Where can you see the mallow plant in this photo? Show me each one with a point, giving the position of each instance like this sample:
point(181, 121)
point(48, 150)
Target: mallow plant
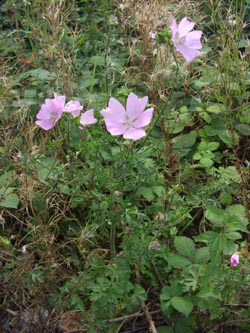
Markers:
point(52, 109)
point(187, 271)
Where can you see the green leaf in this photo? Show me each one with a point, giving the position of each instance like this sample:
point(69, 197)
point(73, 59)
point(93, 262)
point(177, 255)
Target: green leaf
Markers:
point(159, 190)
point(40, 74)
point(225, 199)
point(244, 129)
point(184, 246)
point(200, 83)
point(215, 215)
point(227, 138)
point(202, 255)
point(216, 108)
point(237, 210)
point(88, 82)
point(165, 293)
point(46, 168)
point(178, 261)
point(213, 145)
point(208, 293)
point(147, 193)
point(97, 60)
point(206, 162)
point(6, 178)
point(30, 93)
point(174, 289)
point(205, 116)
point(184, 324)
point(233, 235)
point(165, 329)
point(229, 174)
point(206, 237)
point(10, 201)
point(182, 304)
point(184, 140)
point(217, 245)
point(236, 220)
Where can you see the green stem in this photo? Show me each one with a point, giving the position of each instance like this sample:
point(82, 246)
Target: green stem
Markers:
point(106, 64)
point(166, 102)
point(92, 79)
point(156, 120)
point(112, 239)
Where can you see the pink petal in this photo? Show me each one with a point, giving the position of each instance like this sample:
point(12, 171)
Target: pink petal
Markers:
point(49, 103)
point(115, 109)
point(185, 26)
point(188, 54)
point(145, 118)
point(44, 113)
point(59, 100)
point(135, 105)
point(46, 124)
point(73, 107)
point(114, 128)
point(88, 118)
point(193, 39)
point(174, 29)
point(234, 260)
point(134, 134)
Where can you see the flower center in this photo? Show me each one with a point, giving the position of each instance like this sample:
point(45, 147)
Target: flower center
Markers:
point(53, 115)
point(129, 123)
point(180, 40)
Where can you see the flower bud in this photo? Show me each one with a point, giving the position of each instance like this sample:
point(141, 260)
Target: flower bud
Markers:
point(234, 260)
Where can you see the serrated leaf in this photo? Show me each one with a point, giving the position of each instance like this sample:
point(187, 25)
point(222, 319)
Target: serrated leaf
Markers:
point(233, 235)
point(178, 261)
point(229, 174)
point(227, 138)
point(174, 289)
point(202, 255)
point(206, 237)
point(184, 246)
point(166, 307)
point(97, 60)
point(225, 199)
point(147, 193)
point(215, 215)
point(206, 162)
point(208, 293)
point(236, 220)
point(165, 293)
point(182, 304)
point(185, 140)
point(216, 108)
point(217, 246)
point(237, 210)
point(206, 116)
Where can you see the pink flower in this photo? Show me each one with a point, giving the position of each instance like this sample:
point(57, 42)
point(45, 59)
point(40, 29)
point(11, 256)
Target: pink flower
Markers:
point(129, 122)
point(152, 35)
point(234, 260)
point(187, 42)
point(87, 118)
point(50, 112)
point(117, 193)
point(73, 107)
